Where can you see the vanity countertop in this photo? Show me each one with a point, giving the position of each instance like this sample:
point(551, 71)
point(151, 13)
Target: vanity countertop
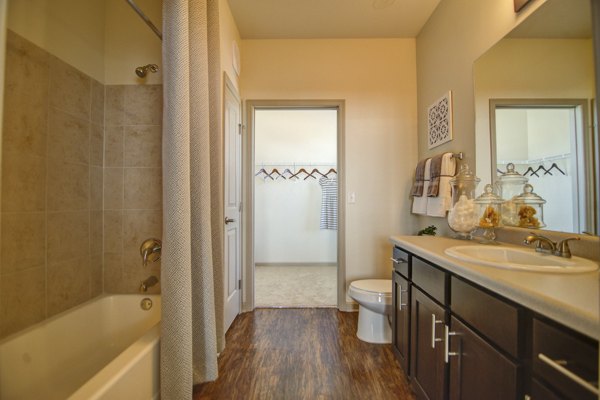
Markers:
point(571, 299)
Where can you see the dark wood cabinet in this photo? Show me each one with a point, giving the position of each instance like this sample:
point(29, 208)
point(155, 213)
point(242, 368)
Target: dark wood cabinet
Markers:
point(428, 369)
point(478, 370)
point(401, 320)
point(566, 361)
point(458, 340)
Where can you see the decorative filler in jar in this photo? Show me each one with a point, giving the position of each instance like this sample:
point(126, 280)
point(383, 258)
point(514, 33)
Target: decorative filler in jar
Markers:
point(510, 185)
point(463, 216)
point(530, 208)
point(489, 205)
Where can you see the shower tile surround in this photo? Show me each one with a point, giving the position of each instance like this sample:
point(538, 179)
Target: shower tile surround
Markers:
point(81, 186)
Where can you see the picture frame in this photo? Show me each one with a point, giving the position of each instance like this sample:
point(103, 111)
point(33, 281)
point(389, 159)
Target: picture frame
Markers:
point(439, 121)
point(519, 4)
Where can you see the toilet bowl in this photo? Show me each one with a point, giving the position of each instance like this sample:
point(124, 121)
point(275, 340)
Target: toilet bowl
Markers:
point(374, 298)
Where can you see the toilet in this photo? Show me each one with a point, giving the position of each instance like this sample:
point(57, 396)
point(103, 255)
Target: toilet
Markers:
point(374, 298)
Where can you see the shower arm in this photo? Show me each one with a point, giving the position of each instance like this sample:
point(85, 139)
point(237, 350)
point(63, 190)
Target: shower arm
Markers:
point(145, 18)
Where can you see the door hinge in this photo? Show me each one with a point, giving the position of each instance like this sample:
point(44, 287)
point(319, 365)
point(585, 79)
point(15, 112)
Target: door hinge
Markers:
point(240, 208)
point(240, 284)
point(240, 129)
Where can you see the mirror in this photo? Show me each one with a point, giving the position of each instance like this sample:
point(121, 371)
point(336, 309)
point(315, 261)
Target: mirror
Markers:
point(534, 96)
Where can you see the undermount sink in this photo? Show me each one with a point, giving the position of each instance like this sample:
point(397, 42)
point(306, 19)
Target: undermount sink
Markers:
point(520, 259)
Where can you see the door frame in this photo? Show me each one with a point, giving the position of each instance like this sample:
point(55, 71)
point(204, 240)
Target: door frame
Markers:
point(584, 147)
point(248, 192)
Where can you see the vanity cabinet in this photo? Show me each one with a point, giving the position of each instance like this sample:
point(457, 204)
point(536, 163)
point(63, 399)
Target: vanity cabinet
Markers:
point(428, 369)
point(459, 340)
point(565, 364)
point(401, 293)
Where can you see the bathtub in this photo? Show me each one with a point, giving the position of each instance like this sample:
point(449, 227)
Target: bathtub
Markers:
point(107, 348)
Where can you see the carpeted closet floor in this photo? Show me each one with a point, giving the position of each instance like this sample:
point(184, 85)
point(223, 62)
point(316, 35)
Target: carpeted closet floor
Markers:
point(295, 286)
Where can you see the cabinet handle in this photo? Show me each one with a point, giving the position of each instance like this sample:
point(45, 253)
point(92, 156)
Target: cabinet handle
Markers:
point(433, 323)
point(558, 365)
point(400, 304)
point(398, 260)
point(447, 352)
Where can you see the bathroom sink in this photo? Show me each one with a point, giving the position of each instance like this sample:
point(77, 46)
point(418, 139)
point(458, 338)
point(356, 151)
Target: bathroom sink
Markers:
point(520, 259)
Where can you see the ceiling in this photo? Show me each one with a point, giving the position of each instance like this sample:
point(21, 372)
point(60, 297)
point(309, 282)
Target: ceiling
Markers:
point(316, 19)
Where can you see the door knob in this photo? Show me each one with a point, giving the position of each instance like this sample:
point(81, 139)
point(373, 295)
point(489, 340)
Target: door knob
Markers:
point(228, 220)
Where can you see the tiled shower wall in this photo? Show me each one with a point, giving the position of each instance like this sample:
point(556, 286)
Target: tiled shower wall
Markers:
point(132, 184)
point(69, 169)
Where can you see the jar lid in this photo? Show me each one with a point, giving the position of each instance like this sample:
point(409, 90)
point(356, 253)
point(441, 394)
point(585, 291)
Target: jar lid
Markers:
point(512, 176)
point(464, 175)
point(528, 197)
point(488, 196)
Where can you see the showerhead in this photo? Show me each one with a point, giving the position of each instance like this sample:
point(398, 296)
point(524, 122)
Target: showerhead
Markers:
point(142, 71)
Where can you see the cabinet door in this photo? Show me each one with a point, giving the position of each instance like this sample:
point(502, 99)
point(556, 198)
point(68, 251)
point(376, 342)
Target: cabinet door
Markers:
point(428, 369)
point(477, 370)
point(401, 320)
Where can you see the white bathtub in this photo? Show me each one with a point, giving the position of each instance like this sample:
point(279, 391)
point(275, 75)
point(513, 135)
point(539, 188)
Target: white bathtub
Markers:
point(107, 348)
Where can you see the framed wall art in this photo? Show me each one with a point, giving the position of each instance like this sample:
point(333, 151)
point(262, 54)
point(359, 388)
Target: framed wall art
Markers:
point(439, 121)
point(519, 4)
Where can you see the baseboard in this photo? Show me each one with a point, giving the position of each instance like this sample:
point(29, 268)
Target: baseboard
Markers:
point(349, 307)
point(295, 264)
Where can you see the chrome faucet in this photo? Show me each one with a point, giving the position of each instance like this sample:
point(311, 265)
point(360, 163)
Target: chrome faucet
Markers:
point(545, 245)
point(148, 283)
point(150, 250)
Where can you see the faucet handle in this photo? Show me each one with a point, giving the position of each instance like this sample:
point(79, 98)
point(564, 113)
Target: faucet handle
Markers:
point(562, 248)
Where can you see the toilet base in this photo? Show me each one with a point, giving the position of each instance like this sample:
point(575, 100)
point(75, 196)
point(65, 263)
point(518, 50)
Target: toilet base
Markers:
point(373, 327)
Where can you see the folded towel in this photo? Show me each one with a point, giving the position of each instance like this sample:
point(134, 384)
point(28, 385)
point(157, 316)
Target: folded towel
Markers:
point(417, 189)
point(436, 171)
point(420, 203)
point(438, 205)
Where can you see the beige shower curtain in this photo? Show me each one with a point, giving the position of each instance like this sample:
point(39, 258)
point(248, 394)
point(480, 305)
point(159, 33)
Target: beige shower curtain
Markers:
point(192, 284)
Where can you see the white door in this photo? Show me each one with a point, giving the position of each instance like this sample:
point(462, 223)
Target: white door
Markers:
point(233, 198)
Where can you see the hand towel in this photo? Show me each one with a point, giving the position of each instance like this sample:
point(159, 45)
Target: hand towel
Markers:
point(420, 203)
point(437, 206)
point(417, 189)
point(436, 171)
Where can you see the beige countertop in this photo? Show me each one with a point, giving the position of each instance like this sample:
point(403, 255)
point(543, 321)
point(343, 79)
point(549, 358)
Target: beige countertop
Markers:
point(571, 299)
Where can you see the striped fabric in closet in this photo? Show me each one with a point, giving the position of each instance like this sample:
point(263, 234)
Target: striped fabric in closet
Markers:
point(329, 203)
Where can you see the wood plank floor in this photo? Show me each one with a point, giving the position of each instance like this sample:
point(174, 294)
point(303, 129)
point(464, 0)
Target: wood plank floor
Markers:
point(303, 354)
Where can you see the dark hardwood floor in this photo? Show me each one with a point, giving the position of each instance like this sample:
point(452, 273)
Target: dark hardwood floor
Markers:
point(303, 354)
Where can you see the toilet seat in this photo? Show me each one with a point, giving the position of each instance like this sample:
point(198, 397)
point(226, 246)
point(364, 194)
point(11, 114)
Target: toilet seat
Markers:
point(373, 286)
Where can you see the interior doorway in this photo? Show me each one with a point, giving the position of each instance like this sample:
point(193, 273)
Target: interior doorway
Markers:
point(549, 143)
point(295, 181)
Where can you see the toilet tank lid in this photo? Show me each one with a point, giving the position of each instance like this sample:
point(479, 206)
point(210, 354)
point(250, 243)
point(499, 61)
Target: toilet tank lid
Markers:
point(374, 285)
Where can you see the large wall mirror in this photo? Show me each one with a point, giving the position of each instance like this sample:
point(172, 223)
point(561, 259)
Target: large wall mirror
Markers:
point(534, 96)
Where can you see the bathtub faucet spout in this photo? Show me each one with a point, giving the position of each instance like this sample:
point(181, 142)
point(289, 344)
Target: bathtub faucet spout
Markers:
point(150, 250)
point(148, 283)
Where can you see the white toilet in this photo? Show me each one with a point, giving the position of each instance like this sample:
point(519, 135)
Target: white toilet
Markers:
point(374, 297)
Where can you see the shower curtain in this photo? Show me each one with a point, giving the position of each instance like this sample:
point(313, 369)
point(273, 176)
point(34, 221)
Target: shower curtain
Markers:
point(191, 272)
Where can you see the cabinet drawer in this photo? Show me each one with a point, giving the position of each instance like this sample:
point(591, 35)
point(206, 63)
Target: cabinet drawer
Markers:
point(401, 260)
point(565, 360)
point(431, 279)
point(493, 317)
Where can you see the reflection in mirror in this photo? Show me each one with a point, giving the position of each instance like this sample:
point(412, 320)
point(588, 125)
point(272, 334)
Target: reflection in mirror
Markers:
point(533, 96)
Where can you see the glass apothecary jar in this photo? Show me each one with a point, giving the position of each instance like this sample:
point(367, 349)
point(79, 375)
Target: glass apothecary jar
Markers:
point(489, 207)
point(530, 209)
point(463, 215)
point(509, 186)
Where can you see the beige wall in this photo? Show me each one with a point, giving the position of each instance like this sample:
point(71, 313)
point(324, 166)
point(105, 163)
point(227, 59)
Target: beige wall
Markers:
point(539, 68)
point(228, 34)
point(376, 78)
point(458, 32)
point(80, 44)
point(130, 43)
